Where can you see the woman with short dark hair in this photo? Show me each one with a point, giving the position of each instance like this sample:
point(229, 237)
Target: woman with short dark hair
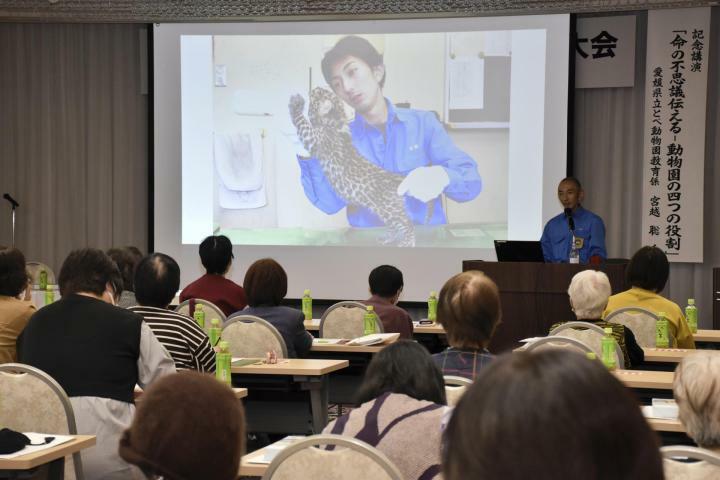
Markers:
point(469, 310)
point(647, 273)
point(127, 260)
point(15, 308)
point(266, 286)
point(402, 401)
point(547, 415)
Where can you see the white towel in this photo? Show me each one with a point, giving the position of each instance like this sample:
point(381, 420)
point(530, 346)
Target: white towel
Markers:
point(237, 200)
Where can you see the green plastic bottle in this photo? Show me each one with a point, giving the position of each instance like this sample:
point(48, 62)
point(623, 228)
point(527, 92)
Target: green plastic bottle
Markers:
point(608, 349)
point(307, 305)
point(214, 331)
point(49, 294)
point(42, 279)
point(369, 320)
point(432, 307)
point(199, 315)
point(691, 315)
point(662, 339)
point(223, 361)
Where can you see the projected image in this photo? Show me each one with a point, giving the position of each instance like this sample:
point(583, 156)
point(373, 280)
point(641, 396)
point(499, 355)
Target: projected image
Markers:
point(396, 140)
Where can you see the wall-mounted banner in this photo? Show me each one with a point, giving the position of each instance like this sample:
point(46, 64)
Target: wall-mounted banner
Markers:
point(605, 52)
point(674, 152)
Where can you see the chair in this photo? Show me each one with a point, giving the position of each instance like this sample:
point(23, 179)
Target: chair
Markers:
point(559, 342)
point(708, 466)
point(252, 337)
point(34, 269)
point(356, 459)
point(211, 311)
point(640, 320)
point(589, 334)
point(455, 388)
point(346, 320)
point(31, 401)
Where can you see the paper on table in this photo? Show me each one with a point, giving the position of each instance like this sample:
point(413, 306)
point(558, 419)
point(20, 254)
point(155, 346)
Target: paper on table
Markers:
point(38, 438)
point(328, 341)
point(272, 451)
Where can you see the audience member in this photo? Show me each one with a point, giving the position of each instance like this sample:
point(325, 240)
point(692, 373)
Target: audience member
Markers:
point(647, 273)
point(386, 285)
point(97, 353)
point(188, 426)
point(126, 259)
point(266, 286)
point(697, 392)
point(216, 256)
point(402, 403)
point(15, 305)
point(589, 292)
point(469, 310)
point(157, 278)
point(547, 415)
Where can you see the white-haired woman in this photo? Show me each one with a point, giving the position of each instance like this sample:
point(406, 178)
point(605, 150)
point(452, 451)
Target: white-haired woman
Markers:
point(589, 292)
point(697, 392)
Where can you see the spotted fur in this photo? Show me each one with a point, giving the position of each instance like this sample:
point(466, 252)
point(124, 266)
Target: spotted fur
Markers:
point(354, 178)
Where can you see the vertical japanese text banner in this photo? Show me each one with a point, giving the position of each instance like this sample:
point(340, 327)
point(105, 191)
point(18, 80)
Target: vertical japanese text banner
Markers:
point(674, 140)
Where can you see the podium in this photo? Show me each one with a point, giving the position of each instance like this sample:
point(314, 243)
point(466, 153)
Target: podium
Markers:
point(534, 296)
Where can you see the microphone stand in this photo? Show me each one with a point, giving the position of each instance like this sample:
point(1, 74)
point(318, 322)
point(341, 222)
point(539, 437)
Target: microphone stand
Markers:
point(13, 226)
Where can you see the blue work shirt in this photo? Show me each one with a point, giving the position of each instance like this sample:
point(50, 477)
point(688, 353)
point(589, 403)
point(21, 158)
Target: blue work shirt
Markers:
point(557, 238)
point(413, 138)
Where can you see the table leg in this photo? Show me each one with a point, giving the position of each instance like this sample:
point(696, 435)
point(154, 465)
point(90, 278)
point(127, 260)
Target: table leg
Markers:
point(318, 387)
point(56, 469)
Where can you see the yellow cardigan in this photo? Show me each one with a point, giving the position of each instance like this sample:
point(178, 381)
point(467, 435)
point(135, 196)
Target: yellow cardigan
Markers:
point(638, 297)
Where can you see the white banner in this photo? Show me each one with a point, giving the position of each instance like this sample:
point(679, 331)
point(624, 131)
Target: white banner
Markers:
point(674, 153)
point(605, 52)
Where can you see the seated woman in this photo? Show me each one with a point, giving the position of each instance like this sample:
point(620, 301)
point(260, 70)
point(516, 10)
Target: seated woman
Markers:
point(547, 415)
point(589, 292)
point(216, 256)
point(175, 436)
point(469, 310)
point(696, 391)
point(648, 273)
point(402, 401)
point(127, 260)
point(266, 286)
point(15, 305)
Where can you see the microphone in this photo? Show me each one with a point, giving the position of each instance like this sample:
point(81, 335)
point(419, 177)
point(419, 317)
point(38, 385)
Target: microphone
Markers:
point(10, 199)
point(571, 222)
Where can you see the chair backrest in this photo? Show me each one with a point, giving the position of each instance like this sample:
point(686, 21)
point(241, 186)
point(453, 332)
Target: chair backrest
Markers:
point(32, 401)
point(211, 311)
point(640, 320)
point(589, 334)
point(34, 269)
point(252, 337)
point(455, 388)
point(676, 468)
point(355, 459)
point(559, 342)
point(346, 320)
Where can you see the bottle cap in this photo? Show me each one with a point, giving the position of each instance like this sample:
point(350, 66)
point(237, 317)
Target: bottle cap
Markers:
point(198, 306)
point(661, 314)
point(433, 294)
point(591, 355)
point(223, 345)
point(608, 329)
point(215, 322)
point(306, 291)
point(691, 301)
point(369, 308)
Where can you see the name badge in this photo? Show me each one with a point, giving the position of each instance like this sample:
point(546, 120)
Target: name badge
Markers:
point(579, 242)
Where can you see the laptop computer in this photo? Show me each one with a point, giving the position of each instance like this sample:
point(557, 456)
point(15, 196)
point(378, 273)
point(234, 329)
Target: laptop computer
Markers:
point(518, 251)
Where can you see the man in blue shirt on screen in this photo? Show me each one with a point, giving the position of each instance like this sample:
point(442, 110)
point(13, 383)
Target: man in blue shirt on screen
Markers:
point(400, 140)
point(589, 231)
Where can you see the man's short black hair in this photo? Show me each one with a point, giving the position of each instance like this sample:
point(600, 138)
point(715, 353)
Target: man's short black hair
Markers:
point(157, 279)
point(351, 46)
point(573, 180)
point(216, 254)
point(648, 269)
point(13, 275)
point(89, 270)
point(385, 281)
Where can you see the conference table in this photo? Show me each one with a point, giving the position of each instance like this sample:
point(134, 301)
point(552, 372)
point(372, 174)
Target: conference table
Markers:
point(418, 328)
point(707, 336)
point(54, 457)
point(310, 374)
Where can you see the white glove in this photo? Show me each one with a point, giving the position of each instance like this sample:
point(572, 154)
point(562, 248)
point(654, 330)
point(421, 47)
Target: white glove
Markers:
point(424, 183)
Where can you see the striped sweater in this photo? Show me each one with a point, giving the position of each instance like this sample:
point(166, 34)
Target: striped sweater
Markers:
point(406, 430)
point(187, 344)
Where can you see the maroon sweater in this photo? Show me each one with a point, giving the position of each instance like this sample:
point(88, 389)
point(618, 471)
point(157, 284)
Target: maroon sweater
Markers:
point(226, 294)
point(393, 318)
